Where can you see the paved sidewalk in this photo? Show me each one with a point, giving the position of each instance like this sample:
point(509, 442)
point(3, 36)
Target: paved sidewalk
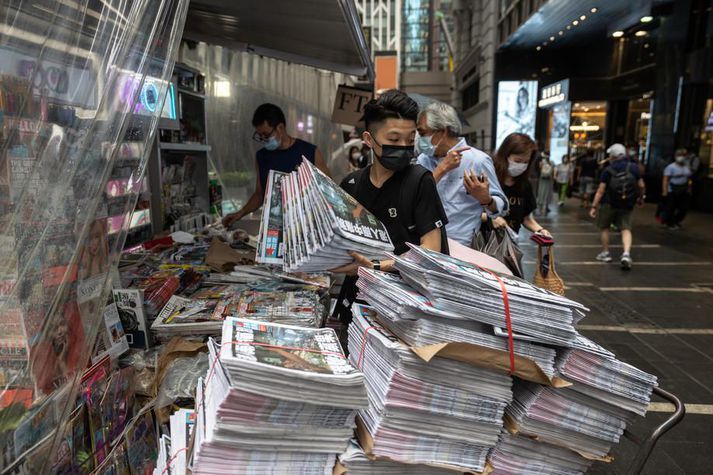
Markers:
point(658, 317)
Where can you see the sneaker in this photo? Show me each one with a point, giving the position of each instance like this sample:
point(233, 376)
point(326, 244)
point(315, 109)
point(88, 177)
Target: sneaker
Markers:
point(604, 256)
point(626, 261)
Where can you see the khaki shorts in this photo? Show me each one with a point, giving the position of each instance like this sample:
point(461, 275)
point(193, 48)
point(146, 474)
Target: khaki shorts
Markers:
point(607, 216)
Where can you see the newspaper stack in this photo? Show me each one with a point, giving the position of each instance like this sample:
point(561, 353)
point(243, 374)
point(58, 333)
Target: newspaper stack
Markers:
point(608, 380)
point(475, 293)
point(443, 413)
point(172, 449)
point(413, 318)
point(277, 399)
point(357, 463)
point(320, 224)
point(517, 455)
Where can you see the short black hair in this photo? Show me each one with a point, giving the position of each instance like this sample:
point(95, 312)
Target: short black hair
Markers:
point(269, 113)
point(392, 104)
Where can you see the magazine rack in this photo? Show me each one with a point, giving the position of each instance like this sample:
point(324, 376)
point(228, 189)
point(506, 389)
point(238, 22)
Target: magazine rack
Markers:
point(646, 446)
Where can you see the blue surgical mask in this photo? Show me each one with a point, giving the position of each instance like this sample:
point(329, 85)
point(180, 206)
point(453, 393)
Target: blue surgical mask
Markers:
point(272, 143)
point(424, 145)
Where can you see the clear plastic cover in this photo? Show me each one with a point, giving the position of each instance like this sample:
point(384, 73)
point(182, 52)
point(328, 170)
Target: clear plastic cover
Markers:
point(82, 84)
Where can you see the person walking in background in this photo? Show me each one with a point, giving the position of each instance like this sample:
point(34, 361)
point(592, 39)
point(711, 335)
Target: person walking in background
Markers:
point(676, 189)
point(563, 176)
point(620, 188)
point(451, 160)
point(357, 158)
point(513, 162)
point(544, 185)
point(586, 173)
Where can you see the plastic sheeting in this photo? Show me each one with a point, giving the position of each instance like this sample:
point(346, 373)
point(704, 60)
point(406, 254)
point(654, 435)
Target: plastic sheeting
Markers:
point(81, 86)
point(236, 83)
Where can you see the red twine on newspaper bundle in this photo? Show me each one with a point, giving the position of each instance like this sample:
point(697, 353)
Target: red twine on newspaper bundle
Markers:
point(506, 304)
point(172, 459)
point(363, 345)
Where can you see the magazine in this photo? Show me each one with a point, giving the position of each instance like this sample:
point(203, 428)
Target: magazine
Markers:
point(271, 247)
point(130, 304)
point(113, 341)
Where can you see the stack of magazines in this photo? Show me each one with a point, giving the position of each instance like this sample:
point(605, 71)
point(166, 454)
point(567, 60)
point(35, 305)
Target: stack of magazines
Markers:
point(444, 413)
point(517, 455)
point(276, 399)
point(320, 224)
point(417, 322)
point(477, 294)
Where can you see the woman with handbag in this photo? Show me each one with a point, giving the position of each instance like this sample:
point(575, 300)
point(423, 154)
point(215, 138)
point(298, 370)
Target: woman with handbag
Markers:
point(513, 161)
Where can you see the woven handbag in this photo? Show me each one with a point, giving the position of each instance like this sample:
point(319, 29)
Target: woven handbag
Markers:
point(545, 274)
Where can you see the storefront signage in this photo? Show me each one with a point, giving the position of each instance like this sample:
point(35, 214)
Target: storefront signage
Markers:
point(554, 94)
point(349, 105)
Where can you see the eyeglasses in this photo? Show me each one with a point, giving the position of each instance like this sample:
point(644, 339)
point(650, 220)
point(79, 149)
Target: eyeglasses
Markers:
point(263, 139)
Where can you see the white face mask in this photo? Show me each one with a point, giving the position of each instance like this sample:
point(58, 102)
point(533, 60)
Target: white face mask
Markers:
point(516, 169)
point(356, 156)
point(681, 159)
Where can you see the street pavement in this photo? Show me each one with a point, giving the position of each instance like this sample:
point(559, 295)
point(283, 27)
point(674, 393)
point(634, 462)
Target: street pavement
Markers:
point(658, 317)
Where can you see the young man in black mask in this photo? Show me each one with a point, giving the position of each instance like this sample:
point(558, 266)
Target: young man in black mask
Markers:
point(400, 194)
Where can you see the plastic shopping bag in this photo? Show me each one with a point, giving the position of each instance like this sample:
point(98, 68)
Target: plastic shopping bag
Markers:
point(501, 244)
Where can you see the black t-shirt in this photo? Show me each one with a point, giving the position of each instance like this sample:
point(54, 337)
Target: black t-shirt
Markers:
point(385, 203)
point(522, 203)
point(588, 166)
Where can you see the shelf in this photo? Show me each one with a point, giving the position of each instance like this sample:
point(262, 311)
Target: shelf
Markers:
point(188, 92)
point(184, 147)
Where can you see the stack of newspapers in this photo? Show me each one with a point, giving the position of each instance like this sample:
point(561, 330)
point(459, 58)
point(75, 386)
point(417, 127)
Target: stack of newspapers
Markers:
point(443, 413)
point(476, 293)
point(320, 224)
point(520, 455)
point(417, 322)
point(276, 399)
point(356, 462)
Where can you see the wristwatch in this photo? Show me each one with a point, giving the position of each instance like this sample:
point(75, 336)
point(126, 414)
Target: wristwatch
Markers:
point(376, 264)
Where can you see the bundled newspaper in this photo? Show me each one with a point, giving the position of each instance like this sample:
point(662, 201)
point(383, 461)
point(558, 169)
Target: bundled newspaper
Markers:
point(173, 449)
point(356, 462)
point(320, 223)
point(478, 294)
point(516, 454)
point(277, 399)
point(442, 413)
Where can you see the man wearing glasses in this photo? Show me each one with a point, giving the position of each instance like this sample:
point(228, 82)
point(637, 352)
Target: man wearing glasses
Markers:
point(280, 152)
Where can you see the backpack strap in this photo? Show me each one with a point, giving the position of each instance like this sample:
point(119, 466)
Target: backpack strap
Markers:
point(407, 195)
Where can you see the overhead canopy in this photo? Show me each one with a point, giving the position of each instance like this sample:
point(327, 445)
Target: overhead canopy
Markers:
point(321, 33)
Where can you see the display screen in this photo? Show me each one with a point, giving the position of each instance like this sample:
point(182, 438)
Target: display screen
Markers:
point(517, 106)
point(559, 135)
point(148, 98)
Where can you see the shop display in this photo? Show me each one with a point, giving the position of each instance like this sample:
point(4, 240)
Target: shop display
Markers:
point(321, 223)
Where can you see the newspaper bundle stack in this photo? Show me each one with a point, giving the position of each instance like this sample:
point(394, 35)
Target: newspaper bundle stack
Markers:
point(172, 450)
point(320, 223)
point(358, 463)
point(277, 399)
point(478, 294)
point(522, 455)
point(414, 319)
point(293, 307)
point(442, 413)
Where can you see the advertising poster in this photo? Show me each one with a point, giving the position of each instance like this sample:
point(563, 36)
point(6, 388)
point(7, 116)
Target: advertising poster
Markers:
point(517, 105)
point(559, 138)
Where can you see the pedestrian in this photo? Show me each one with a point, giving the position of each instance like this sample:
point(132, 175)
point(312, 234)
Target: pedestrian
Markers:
point(513, 161)
point(620, 188)
point(586, 172)
point(676, 189)
point(402, 195)
point(449, 157)
point(544, 186)
point(280, 151)
point(563, 176)
point(357, 159)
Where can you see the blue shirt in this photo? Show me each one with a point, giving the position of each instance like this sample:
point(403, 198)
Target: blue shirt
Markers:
point(283, 160)
point(463, 210)
point(677, 174)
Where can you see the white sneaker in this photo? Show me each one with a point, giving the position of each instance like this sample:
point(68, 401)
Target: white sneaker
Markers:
point(626, 261)
point(604, 256)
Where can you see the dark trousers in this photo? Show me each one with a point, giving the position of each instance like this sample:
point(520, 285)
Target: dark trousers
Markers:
point(676, 207)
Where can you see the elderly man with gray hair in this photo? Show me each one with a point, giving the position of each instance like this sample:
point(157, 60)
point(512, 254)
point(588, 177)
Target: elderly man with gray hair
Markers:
point(465, 176)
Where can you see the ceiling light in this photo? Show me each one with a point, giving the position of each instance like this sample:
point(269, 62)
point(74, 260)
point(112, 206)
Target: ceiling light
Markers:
point(561, 33)
point(583, 17)
point(618, 34)
point(647, 19)
point(641, 33)
point(538, 48)
point(575, 22)
point(576, 104)
point(552, 38)
point(569, 27)
point(646, 45)
point(594, 10)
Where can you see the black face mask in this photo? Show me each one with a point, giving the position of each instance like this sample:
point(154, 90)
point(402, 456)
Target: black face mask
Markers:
point(395, 157)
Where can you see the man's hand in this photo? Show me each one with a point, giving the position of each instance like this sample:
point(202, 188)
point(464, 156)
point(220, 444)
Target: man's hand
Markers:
point(452, 159)
point(593, 212)
point(229, 219)
point(353, 267)
point(477, 187)
point(499, 222)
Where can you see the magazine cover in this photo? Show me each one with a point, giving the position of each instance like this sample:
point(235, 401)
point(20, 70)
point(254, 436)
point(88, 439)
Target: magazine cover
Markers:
point(298, 307)
point(271, 247)
point(352, 220)
point(130, 304)
point(112, 341)
point(287, 347)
